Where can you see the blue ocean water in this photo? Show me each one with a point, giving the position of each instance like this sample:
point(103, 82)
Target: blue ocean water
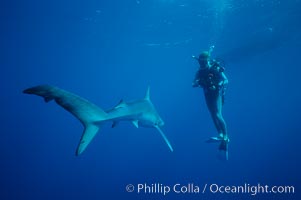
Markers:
point(111, 50)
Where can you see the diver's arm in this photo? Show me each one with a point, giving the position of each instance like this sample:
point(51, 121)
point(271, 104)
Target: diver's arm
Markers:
point(224, 80)
point(196, 81)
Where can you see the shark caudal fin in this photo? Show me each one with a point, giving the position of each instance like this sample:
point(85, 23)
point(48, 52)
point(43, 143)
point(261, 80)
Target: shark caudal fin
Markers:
point(88, 134)
point(82, 109)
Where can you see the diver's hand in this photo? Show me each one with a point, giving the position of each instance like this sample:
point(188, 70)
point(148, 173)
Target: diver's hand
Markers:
point(194, 57)
point(223, 83)
point(195, 84)
point(212, 87)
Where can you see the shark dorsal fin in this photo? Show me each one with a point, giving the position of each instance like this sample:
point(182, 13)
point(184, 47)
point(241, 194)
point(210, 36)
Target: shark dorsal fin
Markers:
point(121, 104)
point(147, 96)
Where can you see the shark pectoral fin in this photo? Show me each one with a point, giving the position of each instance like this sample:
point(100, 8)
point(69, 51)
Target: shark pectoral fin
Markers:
point(165, 138)
point(136, 123)
point(89, 133)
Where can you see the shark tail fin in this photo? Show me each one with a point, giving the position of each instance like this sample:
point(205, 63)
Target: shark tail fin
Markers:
point(165, 138)
point(87, 136)
point(89, 114)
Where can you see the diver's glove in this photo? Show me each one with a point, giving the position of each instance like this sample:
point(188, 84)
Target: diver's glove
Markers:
point(196, 83)
point(221, 83)
point(212, 87)
point(194, 57)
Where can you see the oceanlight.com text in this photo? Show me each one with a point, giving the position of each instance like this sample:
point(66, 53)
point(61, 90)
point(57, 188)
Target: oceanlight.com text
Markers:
point(250, 189)
point(193, 188)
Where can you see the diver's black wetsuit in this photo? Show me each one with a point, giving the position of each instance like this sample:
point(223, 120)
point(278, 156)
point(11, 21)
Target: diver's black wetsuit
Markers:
point(212, 79)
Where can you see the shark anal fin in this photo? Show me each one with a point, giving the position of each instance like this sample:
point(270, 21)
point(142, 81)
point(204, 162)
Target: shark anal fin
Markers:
point(47, 99)
point(115, 123)
point(89, 133)
point(136, 123)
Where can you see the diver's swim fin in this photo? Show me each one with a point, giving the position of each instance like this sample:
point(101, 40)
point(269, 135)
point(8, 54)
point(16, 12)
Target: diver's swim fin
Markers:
point(214, 139)
point(223, 147)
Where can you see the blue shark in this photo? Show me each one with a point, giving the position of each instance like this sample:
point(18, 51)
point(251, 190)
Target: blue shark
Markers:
point(140, 112)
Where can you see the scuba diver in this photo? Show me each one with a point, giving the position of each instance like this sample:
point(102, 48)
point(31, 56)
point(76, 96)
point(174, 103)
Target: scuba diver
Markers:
point(211, 77)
